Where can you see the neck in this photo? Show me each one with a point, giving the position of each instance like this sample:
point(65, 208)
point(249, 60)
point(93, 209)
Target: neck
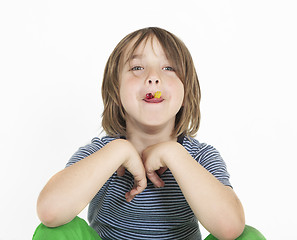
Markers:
point(143, 139)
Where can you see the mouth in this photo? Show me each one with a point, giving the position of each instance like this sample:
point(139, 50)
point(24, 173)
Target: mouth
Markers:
point(153, 98)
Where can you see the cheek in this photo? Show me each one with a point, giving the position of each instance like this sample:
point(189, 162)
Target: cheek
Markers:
point(181, 99)
point(178, 92)
point(129, 90)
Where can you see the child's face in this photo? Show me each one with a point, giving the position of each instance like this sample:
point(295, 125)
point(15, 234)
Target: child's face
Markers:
point(149, 71)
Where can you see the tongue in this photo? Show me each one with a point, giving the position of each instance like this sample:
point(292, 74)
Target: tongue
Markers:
point(154, 100)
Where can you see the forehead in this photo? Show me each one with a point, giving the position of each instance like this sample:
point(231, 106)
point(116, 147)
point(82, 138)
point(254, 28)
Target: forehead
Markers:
point(138, 49)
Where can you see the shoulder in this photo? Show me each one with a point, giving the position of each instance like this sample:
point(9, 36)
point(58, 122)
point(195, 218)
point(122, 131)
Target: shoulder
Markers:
point(90, 148)
point(195, 148)
point(100, 142)
point(209, 157)
point(201, 152)
point(96, 144)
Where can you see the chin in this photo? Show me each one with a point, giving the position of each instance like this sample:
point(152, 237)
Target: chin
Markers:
point(156, 123)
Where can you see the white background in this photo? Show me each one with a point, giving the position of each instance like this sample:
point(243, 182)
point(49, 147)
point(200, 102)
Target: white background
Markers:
point(52, 56)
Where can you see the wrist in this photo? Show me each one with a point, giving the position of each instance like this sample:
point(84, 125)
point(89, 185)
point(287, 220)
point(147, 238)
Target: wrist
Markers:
point(123, 149)
point(172, 152)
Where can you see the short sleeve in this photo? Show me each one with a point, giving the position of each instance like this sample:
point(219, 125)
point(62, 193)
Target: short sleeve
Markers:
point(83, 152)
point(212, 161)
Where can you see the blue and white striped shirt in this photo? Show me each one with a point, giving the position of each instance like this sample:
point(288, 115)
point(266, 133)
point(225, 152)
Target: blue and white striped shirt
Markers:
point(156, 213)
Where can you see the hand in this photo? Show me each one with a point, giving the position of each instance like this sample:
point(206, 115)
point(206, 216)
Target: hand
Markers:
point(153, 159)
point(134, 165)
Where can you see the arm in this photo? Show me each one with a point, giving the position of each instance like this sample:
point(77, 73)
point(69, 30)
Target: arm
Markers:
point(69, 191)
point(215, 205)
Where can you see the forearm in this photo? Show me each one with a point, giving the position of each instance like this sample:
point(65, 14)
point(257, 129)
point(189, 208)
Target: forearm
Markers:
point(215, 205)
point(69, 191)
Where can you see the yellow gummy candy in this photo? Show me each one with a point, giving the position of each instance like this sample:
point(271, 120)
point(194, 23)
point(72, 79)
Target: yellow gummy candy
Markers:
point(157, 94)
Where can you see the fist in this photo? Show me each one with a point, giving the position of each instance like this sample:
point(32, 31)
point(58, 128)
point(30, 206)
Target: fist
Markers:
point(154, 163)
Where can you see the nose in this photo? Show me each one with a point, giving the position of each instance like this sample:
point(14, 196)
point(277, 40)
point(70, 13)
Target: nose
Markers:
point(155, 81)
point(153, 76)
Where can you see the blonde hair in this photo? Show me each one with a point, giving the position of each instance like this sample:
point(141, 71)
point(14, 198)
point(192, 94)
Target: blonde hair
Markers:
point(188, 118)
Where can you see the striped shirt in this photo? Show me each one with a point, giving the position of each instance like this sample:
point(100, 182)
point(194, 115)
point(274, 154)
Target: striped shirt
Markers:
point(156, 213)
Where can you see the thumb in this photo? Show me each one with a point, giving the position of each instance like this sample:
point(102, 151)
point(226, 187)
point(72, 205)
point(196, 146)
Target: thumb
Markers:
point(139, 185)
point(121, 171)
point(155, 179)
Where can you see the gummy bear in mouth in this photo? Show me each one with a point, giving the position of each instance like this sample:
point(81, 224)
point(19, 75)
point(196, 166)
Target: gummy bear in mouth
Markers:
point(157, 94)
point(150, 95)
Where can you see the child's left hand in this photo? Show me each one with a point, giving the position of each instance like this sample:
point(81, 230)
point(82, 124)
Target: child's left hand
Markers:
point(153, 160)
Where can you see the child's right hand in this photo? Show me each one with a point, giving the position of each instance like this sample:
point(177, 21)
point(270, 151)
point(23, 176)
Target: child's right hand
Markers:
point(133, 163)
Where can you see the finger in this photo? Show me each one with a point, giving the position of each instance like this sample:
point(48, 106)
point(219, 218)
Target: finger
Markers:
point(121, 171)
point(161, 170)
point(139, 186)
point(140, 181)
point(129, 197)
point(155, 179)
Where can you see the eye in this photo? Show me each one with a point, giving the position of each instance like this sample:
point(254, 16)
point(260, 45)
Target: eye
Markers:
point(137, 68)
point(168, 69)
